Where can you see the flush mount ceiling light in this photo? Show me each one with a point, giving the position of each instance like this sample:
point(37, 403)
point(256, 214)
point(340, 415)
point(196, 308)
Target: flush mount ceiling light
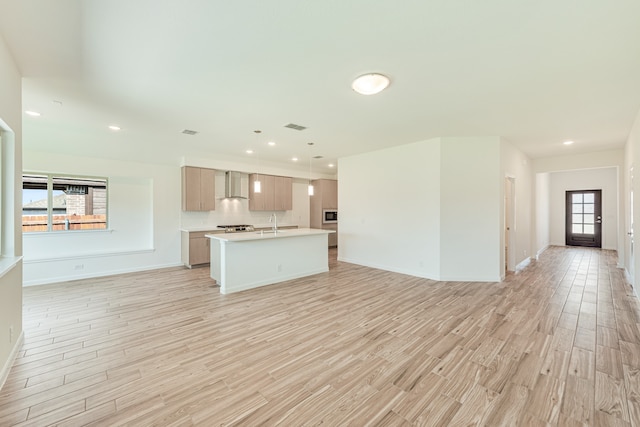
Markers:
point(370, 84)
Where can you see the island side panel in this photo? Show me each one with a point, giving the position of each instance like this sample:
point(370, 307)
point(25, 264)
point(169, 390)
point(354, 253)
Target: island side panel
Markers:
point(254, 263)
point(215, 265)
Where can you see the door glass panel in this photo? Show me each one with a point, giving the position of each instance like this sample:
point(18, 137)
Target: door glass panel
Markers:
point(582, 218)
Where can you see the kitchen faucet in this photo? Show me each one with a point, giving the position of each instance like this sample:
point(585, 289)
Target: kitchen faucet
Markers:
point(273, 218)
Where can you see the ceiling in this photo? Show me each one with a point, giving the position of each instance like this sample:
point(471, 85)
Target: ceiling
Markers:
point(536, 73)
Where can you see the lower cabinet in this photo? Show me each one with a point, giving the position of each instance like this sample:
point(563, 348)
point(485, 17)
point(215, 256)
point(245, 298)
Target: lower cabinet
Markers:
point(195, 248)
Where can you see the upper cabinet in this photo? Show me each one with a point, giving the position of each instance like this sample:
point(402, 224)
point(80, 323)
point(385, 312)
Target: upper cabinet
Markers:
point(198, 189)
point(326, 191)
point(275, 193)
point(283, 194)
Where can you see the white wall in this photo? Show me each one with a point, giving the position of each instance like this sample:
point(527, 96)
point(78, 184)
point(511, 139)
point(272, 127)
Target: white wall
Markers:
point(543, 213)
point(632, 160)
point(517, 166)
point(604, 179)
point(429, 209)
point(144, 215)
point(11, 236)
point(389, 209)
point(471, 209)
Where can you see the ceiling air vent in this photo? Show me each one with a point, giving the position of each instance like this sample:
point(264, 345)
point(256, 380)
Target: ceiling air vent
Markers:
point(189, 132)
point(295, 126)
point(318, 157)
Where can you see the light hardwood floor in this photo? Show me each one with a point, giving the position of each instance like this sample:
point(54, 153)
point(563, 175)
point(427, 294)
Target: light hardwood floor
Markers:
point(556, 344)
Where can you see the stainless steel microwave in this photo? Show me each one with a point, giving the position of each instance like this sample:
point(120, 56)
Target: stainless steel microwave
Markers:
point(329, 216)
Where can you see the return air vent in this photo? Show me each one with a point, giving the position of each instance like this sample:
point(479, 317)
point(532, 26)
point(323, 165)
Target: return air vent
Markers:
point(295, 126)
point(189, 132)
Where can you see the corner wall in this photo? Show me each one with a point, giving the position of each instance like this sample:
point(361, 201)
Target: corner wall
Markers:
point(390, 209)
point(429, 209)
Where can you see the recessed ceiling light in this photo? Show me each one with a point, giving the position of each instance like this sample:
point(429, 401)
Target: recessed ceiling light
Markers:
point(331, 165)
point(568, 142)
point(33, 113)
point(294, 159)
point(370, 84)
point(249, 151)
point(114, 127)
point(271, 143)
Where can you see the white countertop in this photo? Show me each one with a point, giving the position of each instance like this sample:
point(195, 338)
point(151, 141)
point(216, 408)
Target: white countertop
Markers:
point(258, 235)
point(215, 227)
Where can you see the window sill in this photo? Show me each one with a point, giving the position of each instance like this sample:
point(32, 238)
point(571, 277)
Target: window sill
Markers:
point(8, 263)
point(66, 232)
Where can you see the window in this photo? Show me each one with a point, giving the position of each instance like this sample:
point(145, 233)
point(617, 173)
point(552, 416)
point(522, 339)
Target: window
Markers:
point(61, 203)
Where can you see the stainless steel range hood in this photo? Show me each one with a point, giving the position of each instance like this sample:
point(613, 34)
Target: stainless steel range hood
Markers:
point(233, 185)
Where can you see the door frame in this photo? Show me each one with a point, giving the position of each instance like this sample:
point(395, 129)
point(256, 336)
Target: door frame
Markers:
point(598, 215)
point(510, 222)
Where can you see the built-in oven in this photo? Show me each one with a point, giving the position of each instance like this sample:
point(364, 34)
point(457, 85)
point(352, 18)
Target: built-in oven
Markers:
point(329, 216)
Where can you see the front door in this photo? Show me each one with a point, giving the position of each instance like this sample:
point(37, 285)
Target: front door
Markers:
point(584, 218)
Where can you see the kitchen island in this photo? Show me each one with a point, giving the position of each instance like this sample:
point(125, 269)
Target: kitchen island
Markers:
point(241, 261)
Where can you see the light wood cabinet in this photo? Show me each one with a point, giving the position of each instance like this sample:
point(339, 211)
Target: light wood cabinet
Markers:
point(276, 193)
point(198, 189)
point(283, 194)
point(325, 196)
point(195, 248)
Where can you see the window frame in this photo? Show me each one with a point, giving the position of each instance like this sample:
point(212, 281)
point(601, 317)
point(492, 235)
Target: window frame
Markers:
point(50, 208)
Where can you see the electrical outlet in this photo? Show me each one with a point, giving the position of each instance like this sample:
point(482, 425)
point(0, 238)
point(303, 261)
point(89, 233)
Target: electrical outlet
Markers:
point(279, 268)
point(79, 267)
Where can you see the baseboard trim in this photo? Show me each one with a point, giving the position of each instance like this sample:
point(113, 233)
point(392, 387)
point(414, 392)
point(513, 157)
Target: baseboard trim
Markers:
point(4, 374)
point(540, 251)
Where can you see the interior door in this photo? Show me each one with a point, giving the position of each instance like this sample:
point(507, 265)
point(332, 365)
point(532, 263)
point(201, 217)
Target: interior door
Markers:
point(584, 218)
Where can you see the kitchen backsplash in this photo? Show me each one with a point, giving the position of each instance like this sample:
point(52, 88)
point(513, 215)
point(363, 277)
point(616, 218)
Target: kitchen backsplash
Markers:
point(236, 211)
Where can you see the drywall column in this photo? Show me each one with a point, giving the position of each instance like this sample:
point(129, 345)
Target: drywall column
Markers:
point(470, 209)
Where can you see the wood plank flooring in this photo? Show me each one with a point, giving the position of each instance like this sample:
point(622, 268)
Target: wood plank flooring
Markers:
point(556, 344)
